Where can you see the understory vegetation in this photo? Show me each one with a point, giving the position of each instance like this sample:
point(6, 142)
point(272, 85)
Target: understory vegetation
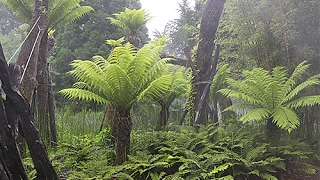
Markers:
point(218, 151)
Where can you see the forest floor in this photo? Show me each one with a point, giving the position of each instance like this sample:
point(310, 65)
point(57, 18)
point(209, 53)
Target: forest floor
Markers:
point(290, 175)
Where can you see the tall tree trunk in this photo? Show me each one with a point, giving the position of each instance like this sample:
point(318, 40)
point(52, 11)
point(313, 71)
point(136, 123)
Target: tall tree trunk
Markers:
point(28, 56)
point(208, 27)
point(42, 91)
point(124, 127)
point(53, 128)
point(42, 164)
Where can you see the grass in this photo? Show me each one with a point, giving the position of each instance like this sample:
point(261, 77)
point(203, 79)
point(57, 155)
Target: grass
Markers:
point(69, 124)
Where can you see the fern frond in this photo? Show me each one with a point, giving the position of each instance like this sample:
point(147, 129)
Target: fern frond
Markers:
point(285, 118)
point(314, 80)
point(74, 93)
point(22, 8)
point(255, 114)
point(296, 75)
point(62, 12)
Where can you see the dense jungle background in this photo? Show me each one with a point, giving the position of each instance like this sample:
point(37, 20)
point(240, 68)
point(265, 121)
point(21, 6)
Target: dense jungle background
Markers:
point(229, 90)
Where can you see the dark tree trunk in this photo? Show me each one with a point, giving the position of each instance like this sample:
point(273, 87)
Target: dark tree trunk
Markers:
point(42, 164)
point(31, 45)
point(9, 148)
point(42, 91)
point(163, 117)
point(208, 28)
point(272, 131)
point(124, 127)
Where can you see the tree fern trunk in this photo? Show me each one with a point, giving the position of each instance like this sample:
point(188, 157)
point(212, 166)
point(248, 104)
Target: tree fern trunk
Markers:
point(124, 127)
point(163, 117)
point(271, 130)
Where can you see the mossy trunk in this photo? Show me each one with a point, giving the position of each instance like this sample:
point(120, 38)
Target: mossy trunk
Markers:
point(208, 27)
point(124, 127)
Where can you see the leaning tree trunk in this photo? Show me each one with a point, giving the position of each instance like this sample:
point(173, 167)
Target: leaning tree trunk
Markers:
point(42, 163)
point(208, 28)
point(124, 127)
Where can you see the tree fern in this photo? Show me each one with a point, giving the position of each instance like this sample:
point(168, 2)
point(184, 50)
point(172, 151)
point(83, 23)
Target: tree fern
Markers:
point(265, 95)
point(130, 19)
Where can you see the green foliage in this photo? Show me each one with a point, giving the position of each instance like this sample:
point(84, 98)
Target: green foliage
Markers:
point(121, 79)
point(60, 12)
point(215, 152)
point(262, 95)
point(130, 19)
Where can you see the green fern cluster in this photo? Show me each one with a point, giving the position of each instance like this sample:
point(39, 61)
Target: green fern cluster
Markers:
point(213, 153)
point(264, 95)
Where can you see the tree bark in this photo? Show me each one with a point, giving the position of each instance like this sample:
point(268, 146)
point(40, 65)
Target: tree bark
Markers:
point(28, 56)
point(206, 89)
point(163, 117)
point(42, 164)
point(42, 91)
point(53, 128)
point(124, 127)
point(208, 27)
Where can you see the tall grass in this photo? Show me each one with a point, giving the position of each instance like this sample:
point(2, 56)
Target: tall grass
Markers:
point(70, 124)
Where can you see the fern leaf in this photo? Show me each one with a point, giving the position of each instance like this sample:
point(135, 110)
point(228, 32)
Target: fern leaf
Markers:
point(74, 93)
point(285, 118)
point(256, 114)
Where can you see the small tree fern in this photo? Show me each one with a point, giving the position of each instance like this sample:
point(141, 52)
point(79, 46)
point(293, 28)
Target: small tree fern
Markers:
point(120, 80)
point(271, 96)
point(132, 20)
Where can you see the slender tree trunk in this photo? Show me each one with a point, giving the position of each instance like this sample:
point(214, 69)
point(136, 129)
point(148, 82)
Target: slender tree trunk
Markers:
point(53, 128)
point(42, 91)
point(163, 117)
point(208, 28)
point(124, 127)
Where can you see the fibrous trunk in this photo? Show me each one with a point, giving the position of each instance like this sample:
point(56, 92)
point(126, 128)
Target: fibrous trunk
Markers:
point(124, 127)
point(163, 117)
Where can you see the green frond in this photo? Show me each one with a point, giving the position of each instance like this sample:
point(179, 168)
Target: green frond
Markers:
point(67, 15)
point(239, 96)
point(119, 88)
point(296, 75)
point(88, 72)
point(219, 78)
point(256, 115)
point(80, 85)
point(285, 118)
point(157, 88)
point(256, 152)
point(140, 65)
point(22, 8)
point(122, 55)
point(75, 93)
point(304, 101)
point(314, 80)
point(130, 19)
point(115, 43)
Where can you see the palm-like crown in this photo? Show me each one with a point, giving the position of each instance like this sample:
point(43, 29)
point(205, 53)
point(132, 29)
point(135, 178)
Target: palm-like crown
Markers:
point(123, 78)
point(273, 95)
